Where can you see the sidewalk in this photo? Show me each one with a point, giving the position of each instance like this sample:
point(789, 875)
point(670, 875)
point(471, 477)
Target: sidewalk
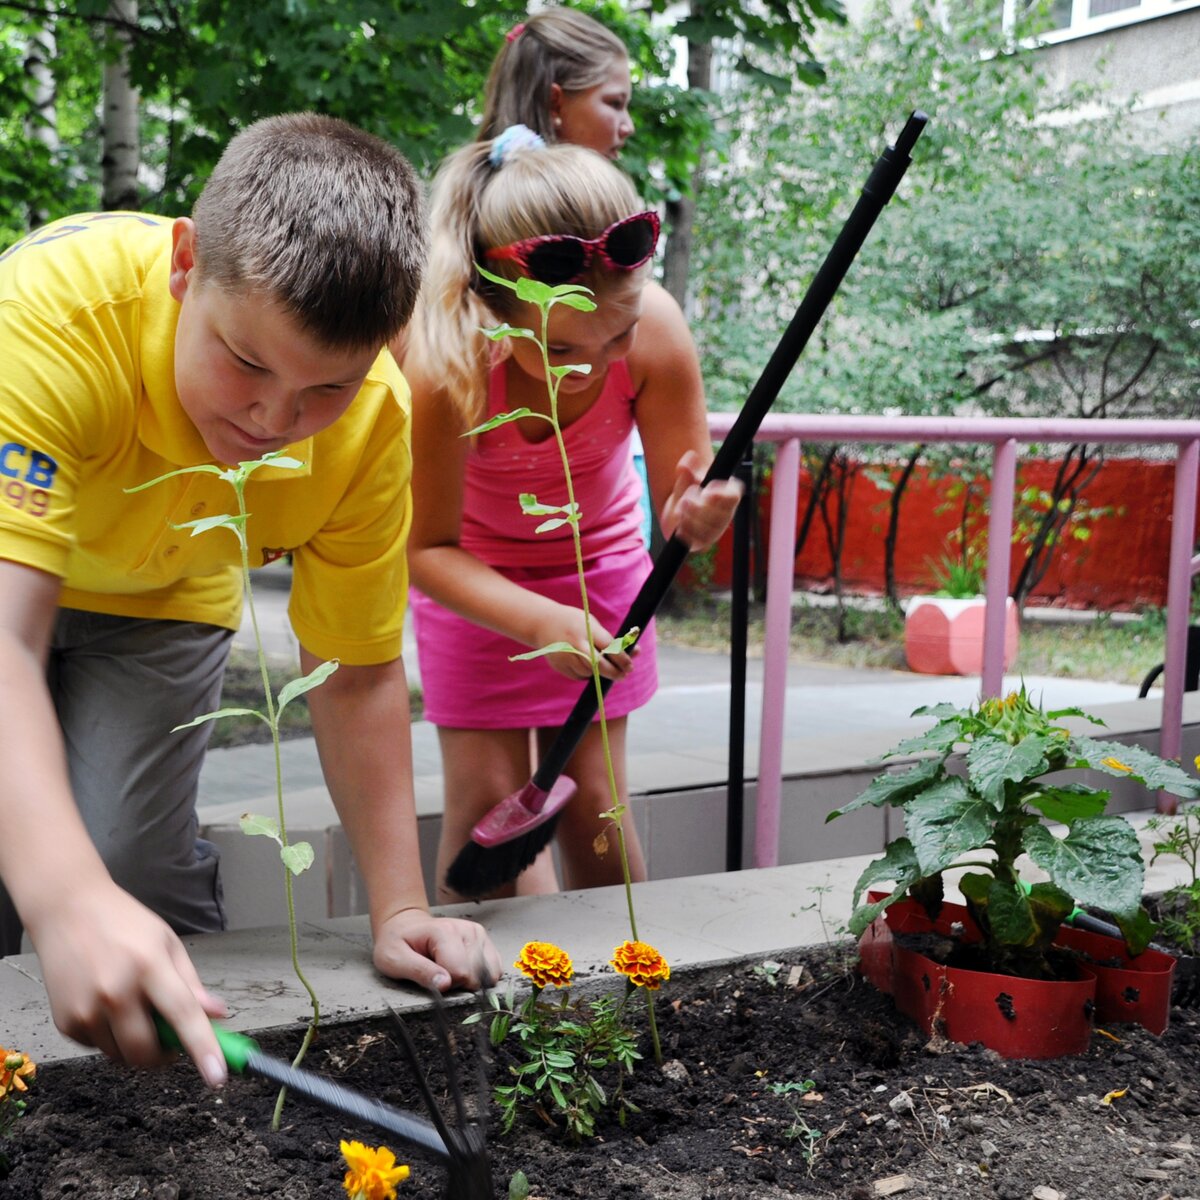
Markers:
point(681, 738)
point(838, 722)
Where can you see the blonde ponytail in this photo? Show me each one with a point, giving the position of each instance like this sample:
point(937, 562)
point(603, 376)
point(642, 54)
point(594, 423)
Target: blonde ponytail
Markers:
point(477, 206)
point(445, 339)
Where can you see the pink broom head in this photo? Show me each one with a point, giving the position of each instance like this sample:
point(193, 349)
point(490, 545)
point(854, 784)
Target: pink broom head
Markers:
point(522, 812)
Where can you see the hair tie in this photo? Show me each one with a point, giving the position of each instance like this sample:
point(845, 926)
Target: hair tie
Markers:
point(512, 141)
point(515, 32)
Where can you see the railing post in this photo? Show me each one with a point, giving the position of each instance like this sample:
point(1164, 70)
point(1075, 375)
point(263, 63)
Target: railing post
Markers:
point(781, 558)
point(999, 558)
point(739, 617)
point(1179, 598)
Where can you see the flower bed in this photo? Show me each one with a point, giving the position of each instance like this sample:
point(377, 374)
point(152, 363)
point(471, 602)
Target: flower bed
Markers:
point(729, 1116)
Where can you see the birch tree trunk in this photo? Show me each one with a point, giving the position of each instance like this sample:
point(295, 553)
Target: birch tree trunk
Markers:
point(119, 160)
point(681, 213)
point(42, 122)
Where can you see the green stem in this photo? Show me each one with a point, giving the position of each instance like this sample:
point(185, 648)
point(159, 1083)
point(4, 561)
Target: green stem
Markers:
point(616, 813)
point(273, 723)
point(653, 1028)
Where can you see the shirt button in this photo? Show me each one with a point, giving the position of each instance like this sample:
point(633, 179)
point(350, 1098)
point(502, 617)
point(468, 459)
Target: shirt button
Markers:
point(197, 509)
point(169, 551)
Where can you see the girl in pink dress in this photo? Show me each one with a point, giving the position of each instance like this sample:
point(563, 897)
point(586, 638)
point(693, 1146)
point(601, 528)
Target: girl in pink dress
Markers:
point(489, 587)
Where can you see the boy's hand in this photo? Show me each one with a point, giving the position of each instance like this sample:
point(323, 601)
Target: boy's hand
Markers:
point(699, 515)
point(436, 952)
point(107, 963)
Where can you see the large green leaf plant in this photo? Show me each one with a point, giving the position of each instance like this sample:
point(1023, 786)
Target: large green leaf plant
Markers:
point(994, 787)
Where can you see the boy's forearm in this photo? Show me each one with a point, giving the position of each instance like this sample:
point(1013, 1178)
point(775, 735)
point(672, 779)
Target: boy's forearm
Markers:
point(42, 838)
point(361, 722)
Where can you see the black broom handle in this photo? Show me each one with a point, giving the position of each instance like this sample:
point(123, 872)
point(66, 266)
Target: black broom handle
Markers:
point(885, 176)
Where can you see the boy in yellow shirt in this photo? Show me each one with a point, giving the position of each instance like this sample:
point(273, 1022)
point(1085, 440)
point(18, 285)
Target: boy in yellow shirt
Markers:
point(132, 346)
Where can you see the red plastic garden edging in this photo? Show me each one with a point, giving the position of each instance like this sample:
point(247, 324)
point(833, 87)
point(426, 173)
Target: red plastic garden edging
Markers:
point(1018, 1018)
point(1127, 988)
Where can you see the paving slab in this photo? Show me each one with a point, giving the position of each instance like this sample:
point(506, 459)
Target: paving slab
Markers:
point(681, 737)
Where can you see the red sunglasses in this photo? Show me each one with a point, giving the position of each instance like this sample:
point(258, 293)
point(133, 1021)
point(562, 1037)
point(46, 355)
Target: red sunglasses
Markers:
point(555, 258)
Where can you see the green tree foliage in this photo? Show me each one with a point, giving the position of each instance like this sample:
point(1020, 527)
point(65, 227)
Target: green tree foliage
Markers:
point(34, 178)
point(1030, 263)
point(411, 71)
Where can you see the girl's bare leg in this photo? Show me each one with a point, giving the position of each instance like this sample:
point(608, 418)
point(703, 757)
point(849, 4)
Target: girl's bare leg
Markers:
point(582, 831)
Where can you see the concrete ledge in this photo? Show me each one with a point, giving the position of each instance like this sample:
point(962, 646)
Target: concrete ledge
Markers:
point(695, 922)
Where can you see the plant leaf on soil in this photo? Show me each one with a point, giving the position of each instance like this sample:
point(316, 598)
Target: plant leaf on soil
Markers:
point(992, 762)
point(1069, 802)
point(940, 739)
point(893, 787)
point(899, 865)
point(1156, 773)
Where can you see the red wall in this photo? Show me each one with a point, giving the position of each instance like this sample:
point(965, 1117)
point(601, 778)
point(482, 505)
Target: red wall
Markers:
point(1123, 565)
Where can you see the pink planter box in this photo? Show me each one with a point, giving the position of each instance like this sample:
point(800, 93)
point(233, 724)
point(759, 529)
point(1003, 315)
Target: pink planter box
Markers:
point(945, 637)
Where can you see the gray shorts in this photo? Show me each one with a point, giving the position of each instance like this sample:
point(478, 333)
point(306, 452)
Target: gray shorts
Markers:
point(120, 684)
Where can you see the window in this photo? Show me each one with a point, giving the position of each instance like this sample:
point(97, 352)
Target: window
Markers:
point(1073, 18)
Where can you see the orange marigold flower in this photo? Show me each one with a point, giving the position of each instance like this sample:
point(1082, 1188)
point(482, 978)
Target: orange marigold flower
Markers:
point(641, 964)
point(1115, 764)
point(545, 964)
point(373, 1174)
point(15, 1068)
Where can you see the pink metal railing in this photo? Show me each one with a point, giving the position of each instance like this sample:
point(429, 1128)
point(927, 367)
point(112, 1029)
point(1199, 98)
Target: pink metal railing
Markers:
point(1004, 435)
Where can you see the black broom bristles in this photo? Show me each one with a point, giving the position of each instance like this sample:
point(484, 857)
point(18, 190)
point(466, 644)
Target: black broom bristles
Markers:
point(478, 870)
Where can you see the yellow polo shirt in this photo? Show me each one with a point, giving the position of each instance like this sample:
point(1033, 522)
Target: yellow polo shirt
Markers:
point(88, 407)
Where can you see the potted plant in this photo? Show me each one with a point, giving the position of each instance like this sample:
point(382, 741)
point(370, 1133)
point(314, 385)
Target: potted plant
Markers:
point(991, 784)
point(943, 629)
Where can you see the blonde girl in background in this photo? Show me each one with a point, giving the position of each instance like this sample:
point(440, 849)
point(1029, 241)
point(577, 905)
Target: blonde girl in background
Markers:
point(565, 76)
point(489, 587)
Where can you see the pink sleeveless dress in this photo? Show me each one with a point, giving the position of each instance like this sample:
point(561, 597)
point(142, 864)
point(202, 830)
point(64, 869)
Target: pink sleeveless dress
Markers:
point(466, 676)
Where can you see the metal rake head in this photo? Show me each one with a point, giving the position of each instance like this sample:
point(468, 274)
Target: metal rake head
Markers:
point(469, 1167)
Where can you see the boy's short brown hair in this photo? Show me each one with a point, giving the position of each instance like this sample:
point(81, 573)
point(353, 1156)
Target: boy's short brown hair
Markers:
point(325, 218)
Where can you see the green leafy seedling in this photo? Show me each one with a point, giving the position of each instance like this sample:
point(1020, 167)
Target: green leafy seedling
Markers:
point(1180, 836)
point(544, 297)
point(983, 797)
point(800, 1130)
point(563, 1051)
point(296, 857)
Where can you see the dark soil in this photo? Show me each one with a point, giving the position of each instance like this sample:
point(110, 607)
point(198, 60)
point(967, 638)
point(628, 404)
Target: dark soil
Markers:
point(890, 1113)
